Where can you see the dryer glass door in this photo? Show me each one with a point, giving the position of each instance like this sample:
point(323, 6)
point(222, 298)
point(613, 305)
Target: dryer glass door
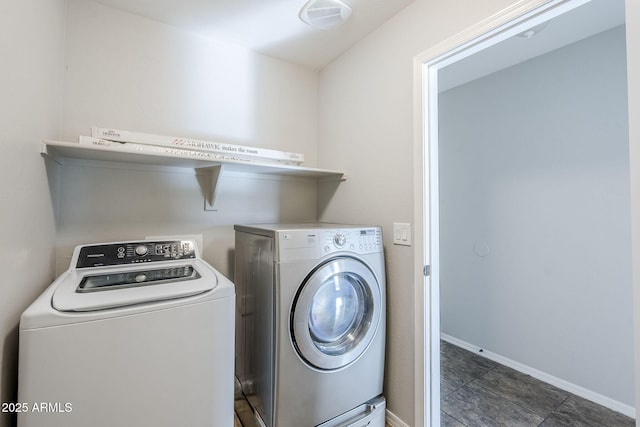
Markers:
point(336, 313)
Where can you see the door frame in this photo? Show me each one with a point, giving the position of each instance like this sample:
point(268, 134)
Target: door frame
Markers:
point(504, 24)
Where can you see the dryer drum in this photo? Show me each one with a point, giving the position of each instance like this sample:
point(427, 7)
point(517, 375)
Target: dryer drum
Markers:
point(335, 314)
point(339, 311)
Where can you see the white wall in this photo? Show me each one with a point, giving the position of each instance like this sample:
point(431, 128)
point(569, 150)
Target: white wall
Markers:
point(127, 72)
point(366, 129)
point(633, 71)
point(31, 47)
point(534, 169)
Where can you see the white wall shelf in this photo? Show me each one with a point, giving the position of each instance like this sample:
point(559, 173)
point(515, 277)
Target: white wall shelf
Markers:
point(211, 170)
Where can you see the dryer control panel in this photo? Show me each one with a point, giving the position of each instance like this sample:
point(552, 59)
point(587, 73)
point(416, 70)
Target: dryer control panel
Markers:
point(362, 241)
point(134, 252)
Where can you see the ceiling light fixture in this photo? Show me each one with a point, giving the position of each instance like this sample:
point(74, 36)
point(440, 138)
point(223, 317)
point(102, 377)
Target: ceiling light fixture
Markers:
point(324, 14)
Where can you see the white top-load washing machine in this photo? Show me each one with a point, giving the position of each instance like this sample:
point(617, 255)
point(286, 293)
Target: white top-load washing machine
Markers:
point(132, 334)
point(311, 323)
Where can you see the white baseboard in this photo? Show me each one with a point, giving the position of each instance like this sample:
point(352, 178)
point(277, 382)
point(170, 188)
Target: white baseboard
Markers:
point(543, 376)
point(393, 420)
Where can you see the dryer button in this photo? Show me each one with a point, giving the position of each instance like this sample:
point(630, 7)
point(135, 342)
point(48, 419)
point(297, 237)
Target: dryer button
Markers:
point(141, 250)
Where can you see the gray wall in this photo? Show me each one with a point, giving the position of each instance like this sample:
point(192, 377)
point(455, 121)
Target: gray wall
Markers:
point(31, 48)
point(534, 170)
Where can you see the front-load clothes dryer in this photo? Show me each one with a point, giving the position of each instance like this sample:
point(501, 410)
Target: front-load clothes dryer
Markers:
point(132, 334)
point(311, 323)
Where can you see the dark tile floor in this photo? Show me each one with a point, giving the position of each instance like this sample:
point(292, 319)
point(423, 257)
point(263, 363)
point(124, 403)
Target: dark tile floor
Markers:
point(477, 392)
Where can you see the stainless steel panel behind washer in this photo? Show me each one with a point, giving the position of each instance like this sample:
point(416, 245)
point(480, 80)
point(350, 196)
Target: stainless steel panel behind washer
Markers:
point(310, 320)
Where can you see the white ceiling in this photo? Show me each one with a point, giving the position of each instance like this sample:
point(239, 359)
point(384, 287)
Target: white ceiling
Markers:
point(570, 27)
point(270, 27)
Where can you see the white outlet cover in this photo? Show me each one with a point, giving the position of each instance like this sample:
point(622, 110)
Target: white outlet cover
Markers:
point(402, 233)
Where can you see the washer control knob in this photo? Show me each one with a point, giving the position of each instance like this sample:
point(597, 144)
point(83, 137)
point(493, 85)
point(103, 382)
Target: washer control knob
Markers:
point(141, 250)
point(141, 277)
point(339, 240)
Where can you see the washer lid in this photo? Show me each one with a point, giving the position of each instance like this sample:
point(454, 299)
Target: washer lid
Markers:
point(108, 288)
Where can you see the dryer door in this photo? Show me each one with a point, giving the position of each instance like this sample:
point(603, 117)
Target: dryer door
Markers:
point(336, 313)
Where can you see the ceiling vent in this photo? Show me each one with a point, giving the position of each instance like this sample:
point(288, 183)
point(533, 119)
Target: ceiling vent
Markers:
point(324, 14)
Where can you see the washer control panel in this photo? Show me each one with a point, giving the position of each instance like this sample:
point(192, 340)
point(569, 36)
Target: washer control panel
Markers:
point(362, 240)
point(339, 240)
point(134, 252)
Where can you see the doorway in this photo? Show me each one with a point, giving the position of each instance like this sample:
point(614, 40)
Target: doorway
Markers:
point(438, 75)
